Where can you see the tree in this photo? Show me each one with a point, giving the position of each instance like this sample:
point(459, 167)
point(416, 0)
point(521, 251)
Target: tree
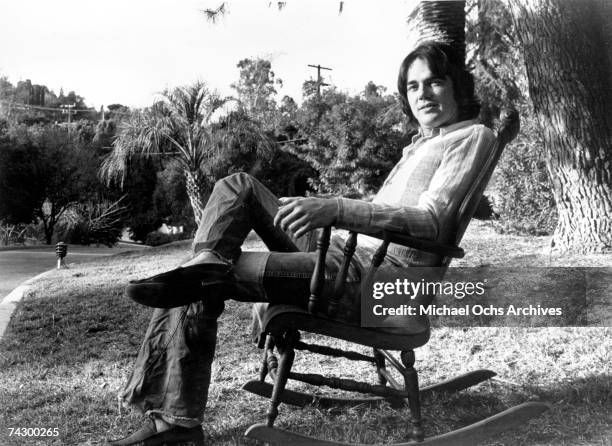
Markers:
point(256, 90)
point(180, 125)
point(43, 171)
point(170, 199)
point(150, 194)
point(140, 186)
point(523, 192)
point(23, 103)
point(353, 141)
point(494, 58)
point(440, 21)
point(562, 43)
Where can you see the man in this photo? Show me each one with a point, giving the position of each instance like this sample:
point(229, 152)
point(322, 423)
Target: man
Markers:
point(420, 197)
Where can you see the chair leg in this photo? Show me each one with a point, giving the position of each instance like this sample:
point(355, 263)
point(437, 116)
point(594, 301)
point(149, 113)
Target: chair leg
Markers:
point(269, 345)
point(381, 368)
point(380, 364)
point(284, 345)
point(411, 383)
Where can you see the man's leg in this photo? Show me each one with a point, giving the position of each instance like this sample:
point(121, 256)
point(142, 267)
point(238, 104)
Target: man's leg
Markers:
point(287, 276)
point(172, 372)
point(238, 204)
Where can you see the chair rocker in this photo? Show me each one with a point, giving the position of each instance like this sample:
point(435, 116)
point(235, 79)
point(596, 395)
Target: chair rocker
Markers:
point(282, 325)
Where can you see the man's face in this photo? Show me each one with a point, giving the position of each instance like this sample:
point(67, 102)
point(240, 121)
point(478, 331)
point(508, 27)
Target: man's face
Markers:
point(431, 99)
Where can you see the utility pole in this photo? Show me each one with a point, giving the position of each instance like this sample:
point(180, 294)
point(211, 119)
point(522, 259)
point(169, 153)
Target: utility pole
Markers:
point(68, 109)
point(319, 79)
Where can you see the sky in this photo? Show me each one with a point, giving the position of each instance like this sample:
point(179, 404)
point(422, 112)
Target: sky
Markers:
point(127, 51)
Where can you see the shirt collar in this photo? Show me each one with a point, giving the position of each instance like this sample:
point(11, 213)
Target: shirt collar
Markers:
point(443, 130)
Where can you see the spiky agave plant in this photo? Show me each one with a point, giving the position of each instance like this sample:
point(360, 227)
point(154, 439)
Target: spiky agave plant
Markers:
point(181, 125)
point(93, 221)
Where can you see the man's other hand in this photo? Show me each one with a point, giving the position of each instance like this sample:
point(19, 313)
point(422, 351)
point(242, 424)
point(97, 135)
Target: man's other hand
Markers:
point(298, 215)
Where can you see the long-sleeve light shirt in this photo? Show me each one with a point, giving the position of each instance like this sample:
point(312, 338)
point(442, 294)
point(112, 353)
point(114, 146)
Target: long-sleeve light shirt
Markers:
point(421, 195)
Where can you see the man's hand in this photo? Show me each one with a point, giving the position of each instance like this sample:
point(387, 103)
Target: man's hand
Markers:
point(299, 215)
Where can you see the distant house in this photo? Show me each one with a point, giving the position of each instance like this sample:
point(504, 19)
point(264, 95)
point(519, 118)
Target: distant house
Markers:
point(165, 229)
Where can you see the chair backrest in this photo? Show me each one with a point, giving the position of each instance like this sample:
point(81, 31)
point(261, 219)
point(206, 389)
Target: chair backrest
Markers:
point(509, 125)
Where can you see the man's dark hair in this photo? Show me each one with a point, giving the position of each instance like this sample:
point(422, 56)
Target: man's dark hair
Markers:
point(443, 61)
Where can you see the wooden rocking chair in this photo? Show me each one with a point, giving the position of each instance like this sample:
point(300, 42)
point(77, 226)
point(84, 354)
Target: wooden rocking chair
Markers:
point(282, 324)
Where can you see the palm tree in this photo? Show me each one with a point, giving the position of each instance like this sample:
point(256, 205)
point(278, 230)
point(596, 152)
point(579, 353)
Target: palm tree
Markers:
point(180, 125)
point(440, 21)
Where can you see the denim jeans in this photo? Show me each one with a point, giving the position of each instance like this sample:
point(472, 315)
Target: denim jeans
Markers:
point(173, 368)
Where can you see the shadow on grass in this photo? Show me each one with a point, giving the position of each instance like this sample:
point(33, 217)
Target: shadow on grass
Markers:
point(58, 338)
point(87, 416)
point(584, 401)
point(70, 347)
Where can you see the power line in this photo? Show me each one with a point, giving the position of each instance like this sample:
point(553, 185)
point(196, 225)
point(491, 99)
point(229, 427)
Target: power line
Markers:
point(35, 107)
point(40, 107)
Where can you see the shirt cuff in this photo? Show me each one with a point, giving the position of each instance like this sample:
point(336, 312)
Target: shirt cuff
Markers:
point(354, 215)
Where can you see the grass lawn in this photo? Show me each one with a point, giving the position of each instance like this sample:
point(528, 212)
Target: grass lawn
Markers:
point(72, 341)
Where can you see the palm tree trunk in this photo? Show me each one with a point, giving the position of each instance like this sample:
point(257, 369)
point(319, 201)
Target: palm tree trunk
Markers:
point(196, 190)
point(439, 21)
point(563, 46)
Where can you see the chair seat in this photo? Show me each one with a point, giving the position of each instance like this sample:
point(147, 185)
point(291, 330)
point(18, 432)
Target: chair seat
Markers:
point(279, 318)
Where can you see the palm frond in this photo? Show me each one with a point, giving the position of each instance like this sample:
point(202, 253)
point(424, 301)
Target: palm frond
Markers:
point(181, 123)
point(144, 133)
point(213, 14)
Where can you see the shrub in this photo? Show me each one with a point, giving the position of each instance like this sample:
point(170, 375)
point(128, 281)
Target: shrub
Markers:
point(155, 238)
point(11, 234)
point(524, 198)
point(92, 223)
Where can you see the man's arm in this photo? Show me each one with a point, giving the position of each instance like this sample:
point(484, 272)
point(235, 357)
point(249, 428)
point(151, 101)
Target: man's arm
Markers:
point(459, 167)
point(299, 215)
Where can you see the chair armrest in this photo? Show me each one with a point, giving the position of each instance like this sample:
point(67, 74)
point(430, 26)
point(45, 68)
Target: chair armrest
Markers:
point(316, 284)
point(423, 244)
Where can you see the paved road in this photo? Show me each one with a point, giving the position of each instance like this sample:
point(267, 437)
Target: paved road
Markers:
point(18, 265)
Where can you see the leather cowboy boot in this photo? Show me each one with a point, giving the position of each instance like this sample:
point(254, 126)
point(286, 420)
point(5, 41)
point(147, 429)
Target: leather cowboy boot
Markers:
point(147, 435)
point(205, 274)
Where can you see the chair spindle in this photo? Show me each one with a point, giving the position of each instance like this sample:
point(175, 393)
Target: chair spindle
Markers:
point(349, 250)
point(380, 254)
point(318, 275)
